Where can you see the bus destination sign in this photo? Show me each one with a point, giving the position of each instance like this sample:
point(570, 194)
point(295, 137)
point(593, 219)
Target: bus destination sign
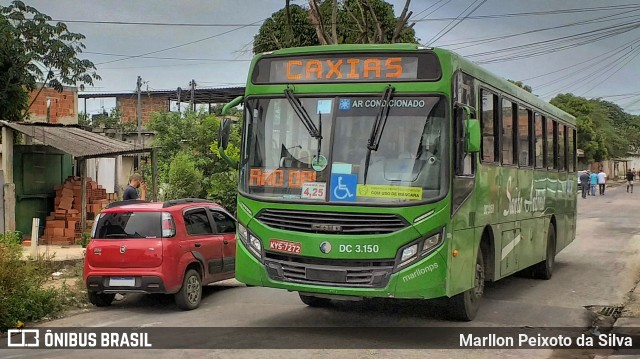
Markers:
point(348, 68)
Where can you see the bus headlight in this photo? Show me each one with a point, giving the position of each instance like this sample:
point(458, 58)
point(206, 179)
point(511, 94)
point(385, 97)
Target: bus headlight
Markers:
point(418, 249)
point(250, 241)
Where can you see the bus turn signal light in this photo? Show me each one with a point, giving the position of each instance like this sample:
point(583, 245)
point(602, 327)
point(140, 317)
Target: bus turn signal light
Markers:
point(455, 252)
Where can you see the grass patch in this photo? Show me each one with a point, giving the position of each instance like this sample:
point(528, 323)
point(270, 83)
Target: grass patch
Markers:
point(27, 291)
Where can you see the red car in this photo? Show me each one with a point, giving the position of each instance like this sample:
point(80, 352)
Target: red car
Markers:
point(174, 247)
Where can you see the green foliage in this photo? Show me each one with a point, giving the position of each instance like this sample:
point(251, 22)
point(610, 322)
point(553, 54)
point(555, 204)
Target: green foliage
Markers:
point(11, 238)
point(224, 188)
point(185, 180)
point(32, 51)
point(192, 138)
point(604, 129)
point(354, 25)
point(522, 85)
point(23, 296)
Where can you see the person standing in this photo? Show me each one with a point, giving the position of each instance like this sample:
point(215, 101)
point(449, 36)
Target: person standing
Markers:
point(630, 178)
point(584, 182)
point(131, 192)
point(602, 179)
point(593, 181)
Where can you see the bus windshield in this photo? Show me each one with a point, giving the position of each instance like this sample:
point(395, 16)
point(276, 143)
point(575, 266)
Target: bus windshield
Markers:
point(282, 161)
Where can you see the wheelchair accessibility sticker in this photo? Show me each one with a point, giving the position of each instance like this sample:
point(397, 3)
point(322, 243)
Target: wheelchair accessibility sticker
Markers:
point(343, 187)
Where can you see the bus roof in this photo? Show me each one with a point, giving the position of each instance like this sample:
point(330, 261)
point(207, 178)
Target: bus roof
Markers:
point(455, 60)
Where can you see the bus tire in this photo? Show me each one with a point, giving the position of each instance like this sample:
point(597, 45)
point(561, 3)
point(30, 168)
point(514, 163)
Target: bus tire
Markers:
point(464, 306)
point(544, 269)
point(314, 301)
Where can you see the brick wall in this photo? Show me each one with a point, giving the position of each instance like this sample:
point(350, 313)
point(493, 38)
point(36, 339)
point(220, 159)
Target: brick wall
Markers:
point(150, 104)
point(63, 106)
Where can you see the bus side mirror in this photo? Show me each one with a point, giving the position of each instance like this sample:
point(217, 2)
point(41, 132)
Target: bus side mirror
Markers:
point(223, 136)
point(472, 136)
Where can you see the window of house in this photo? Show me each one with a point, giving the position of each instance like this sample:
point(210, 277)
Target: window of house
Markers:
point(489, 127)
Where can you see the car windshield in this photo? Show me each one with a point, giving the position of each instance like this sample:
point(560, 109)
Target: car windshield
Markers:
point(281, 160)
point(129, 225)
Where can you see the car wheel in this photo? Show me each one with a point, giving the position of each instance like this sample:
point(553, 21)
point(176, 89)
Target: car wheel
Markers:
point(100, 299)
point(314, 301)
point(544, 269)
point(465, 305)
point(190, 295)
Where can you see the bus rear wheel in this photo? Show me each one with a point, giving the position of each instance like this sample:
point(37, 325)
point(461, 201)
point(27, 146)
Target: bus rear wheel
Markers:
point(465, 305)
point(314, 301)
point(544, 269)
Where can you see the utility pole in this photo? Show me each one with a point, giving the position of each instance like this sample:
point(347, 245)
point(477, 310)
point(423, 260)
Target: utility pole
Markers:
point(193, 94)
point(179, 94)
point(139, 116)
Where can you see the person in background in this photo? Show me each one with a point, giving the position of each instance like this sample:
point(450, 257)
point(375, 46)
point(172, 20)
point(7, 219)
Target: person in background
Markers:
point(630, 178)
point(584, 183)
point(602, 179)
point(131, 192)
point(593, 181)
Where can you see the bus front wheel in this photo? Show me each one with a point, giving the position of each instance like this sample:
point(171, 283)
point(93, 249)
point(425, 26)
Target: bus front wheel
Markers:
point(464, 306)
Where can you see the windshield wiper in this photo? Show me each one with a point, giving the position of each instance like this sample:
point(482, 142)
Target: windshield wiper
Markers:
point(378, 127)
point(304, 117)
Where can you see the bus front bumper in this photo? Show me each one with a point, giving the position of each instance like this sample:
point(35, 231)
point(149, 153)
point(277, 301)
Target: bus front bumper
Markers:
point(424, 279)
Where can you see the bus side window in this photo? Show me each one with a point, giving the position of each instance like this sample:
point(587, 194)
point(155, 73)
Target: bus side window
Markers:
point(571, 149)
point(525, 137)
point(539, 140)
point(561, 140)
point(551, 130)
point(489, 122)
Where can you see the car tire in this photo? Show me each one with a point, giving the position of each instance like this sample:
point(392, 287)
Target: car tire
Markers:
point(544, 269)
point(464, 306)
point(100, 299)
point(314, 301)
point(190, 295)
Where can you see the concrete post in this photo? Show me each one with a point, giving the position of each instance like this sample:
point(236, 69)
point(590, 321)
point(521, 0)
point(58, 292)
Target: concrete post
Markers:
point(9, 186)
point(35, 233)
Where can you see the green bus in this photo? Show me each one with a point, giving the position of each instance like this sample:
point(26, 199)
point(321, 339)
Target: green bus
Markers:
point(397, 171)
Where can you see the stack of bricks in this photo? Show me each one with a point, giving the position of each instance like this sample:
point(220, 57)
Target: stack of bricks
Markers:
point(63, 225)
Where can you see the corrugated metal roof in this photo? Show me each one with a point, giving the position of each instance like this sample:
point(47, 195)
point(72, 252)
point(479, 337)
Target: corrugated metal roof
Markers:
point(201, 95)
point(75, 141)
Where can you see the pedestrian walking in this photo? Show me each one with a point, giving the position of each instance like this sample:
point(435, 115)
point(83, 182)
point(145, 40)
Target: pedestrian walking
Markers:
point(602, 180)
point(630, 178)
point(584, 183)
point(593, 181)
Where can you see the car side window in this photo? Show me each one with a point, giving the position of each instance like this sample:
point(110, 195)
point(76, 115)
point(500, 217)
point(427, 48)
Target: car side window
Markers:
point(197, 222)
point(224, 224)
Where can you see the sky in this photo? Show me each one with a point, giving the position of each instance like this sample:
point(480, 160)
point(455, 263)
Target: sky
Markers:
point(586, 47)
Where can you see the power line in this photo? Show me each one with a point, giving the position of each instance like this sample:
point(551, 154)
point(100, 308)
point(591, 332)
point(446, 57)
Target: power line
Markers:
point(167, 58)
point(181, 45)
point(442, 32)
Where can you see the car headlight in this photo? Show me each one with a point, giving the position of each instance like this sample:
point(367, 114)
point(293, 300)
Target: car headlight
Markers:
point(250, 241)
point(418, 249)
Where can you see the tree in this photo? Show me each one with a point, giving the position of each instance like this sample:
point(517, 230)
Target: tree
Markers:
point(334, 22)
point(522, 86)
point(33, 51)
point(604, 129)
point(185, 180)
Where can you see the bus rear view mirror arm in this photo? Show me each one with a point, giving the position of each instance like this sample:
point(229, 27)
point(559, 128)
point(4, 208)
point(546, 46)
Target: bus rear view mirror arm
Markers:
point(225, 131)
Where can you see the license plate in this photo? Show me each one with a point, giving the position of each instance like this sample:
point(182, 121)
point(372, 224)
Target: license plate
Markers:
point(122, 282)
point(285, 246)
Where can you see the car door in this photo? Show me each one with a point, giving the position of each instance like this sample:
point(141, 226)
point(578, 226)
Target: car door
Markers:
point(225, 226)
point(203, 242)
